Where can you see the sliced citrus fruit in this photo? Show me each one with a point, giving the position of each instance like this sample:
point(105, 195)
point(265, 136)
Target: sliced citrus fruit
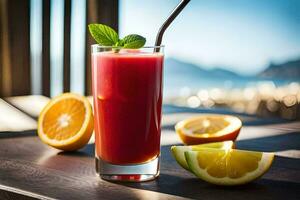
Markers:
point(178, 151)
point(228, 167)
point(66, 122)
point(208, 128)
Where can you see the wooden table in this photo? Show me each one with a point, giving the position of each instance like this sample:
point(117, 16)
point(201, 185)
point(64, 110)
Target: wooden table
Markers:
point(29, 169)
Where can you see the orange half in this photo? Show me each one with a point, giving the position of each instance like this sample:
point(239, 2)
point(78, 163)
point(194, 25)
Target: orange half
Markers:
point(208, 128)
point(66, 122)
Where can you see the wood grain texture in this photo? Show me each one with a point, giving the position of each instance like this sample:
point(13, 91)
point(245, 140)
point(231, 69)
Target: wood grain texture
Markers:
point(10, 195)
point(29, 165)
point(49, 175)
point(33, 169)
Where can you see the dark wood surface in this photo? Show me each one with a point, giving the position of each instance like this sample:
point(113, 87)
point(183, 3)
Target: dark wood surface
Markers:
point(30, 168)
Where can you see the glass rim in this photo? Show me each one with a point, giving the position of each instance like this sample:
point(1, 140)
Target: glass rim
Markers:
point(109, 47)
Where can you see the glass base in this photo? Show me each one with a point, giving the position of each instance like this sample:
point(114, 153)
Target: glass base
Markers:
point(128, 173)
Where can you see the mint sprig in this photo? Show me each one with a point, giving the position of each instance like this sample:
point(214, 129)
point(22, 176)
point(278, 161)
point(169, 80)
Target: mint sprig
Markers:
point(106, 36)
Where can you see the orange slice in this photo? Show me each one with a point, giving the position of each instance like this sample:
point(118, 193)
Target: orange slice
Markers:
point(208, 128)
point(66, 122)
point(179, 151)
point(228, 167)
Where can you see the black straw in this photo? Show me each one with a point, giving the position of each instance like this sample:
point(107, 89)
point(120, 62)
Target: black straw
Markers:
point(165, 25)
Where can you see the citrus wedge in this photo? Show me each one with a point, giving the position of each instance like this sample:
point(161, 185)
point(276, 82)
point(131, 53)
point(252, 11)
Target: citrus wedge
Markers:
point(178, 151)
point(228, 167)
point(208, 128)
point(66, 122)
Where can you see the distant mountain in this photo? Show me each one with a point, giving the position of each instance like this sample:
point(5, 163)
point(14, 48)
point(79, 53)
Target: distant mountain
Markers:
point(176, 67)
point(223, 72)
point(179, 74)
point(285, 71)
point(288, 70)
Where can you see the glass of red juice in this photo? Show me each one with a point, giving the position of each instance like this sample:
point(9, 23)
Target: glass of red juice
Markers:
point(127, 91)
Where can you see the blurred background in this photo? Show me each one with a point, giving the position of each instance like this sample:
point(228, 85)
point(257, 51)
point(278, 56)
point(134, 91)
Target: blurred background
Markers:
point(237, 55)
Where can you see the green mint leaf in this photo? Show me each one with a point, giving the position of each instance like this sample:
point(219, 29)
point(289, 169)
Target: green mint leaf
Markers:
point(103, 34)
point(133, 41)
point(106, 36)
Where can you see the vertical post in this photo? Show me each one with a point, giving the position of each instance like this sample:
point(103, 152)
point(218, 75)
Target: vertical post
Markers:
point(46, 49)
point(67, 35)
point(15, 17)
point(5, 66)
point(98, 11)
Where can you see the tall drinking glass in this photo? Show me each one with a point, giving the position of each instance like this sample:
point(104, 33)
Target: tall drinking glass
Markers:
point(127, 90)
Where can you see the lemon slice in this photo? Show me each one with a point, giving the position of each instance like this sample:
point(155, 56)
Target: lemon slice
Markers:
point(66, 122)
point(228, 167)
point(208, 128)
point(178, 151)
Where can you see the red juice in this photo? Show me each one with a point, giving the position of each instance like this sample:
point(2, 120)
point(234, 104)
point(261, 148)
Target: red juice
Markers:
point(127, 89)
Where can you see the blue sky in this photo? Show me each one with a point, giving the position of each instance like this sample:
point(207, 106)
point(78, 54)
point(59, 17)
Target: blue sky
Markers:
point(239, 35)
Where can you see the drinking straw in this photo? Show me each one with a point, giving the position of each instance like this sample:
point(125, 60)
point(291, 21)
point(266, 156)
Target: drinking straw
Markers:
point(169, 20)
